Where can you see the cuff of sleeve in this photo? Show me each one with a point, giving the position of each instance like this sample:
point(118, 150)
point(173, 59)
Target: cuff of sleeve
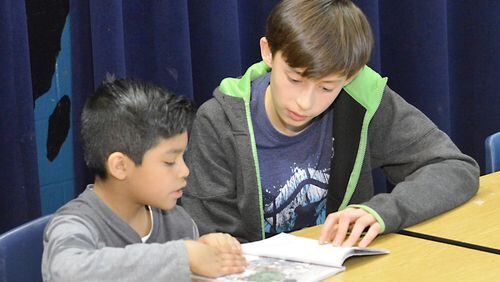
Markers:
point(183, 270)
point(373, 213)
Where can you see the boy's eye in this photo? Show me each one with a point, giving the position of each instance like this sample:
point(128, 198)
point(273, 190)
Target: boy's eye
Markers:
point(293, 80)
point(169, 163)
point(326, 89)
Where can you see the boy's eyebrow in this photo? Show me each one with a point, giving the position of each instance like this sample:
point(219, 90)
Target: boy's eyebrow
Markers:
point(174, 151)
point(332, 80)
point(323, 81)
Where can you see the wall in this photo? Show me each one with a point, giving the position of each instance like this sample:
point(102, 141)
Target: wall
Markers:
point(56, 176)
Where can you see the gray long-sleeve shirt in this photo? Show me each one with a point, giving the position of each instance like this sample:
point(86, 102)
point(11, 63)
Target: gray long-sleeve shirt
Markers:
point(86, 241)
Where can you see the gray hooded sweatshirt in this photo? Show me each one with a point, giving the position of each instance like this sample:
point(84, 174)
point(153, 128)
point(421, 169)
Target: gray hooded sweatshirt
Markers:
point(373, 127)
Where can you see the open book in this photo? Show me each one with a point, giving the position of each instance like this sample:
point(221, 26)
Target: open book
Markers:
point(286, 257)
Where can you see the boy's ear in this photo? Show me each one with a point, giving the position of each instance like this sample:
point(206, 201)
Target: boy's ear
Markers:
point(118, 165)
point(265, 52)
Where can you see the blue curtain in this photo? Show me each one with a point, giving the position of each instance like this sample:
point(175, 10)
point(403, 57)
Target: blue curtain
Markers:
point(186, 46)
point(19, 189)
point(442, 56)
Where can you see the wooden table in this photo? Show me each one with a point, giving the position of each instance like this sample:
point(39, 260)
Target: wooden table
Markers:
point(475, 222)
point(414, 259)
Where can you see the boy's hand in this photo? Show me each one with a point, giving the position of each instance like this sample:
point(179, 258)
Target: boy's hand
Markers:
point(222, 241)
point(337, 225)
point(208, 261)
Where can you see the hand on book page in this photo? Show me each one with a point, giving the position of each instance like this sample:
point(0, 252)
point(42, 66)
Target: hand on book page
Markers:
point(290, 247)
point(344, 228)
point(271, 269)
point(286, 257)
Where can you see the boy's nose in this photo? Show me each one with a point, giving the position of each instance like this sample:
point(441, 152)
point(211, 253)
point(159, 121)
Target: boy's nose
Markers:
point(305, 100)
point(184, 170)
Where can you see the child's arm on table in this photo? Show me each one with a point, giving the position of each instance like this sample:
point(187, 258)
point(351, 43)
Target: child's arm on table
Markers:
point(72, 252)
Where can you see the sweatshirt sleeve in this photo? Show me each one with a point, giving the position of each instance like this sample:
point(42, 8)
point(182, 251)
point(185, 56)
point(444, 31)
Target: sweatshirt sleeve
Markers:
point(73, 253)
point(430, 173)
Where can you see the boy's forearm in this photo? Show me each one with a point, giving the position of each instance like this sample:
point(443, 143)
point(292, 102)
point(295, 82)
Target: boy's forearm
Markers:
point(431, 174)
point(426, 193)
point(428, 183)
point(76, 257)
point(151, 263)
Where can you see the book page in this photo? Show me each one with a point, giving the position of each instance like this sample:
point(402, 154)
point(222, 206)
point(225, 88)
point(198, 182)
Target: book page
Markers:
point(290, 247)
point(272, 269)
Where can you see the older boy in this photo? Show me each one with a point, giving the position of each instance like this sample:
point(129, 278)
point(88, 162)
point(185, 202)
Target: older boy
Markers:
point(292, 143)
point(126, 226)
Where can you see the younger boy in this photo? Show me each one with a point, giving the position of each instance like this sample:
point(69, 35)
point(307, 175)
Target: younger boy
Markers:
point(126, 226)
point(293, 142)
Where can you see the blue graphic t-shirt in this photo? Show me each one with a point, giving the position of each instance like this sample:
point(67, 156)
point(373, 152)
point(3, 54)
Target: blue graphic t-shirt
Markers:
point(294, 170)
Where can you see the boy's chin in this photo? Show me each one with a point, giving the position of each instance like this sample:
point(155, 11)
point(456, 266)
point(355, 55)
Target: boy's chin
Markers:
point(168, 206)
point(167, 203)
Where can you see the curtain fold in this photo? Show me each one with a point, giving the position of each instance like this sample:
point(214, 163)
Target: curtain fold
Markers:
point(82, 69)
point(19, 186)
point(441, 56)
point(474, 64)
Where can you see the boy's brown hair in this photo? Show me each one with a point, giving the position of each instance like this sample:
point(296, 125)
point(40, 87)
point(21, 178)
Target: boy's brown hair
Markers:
point(323, 36)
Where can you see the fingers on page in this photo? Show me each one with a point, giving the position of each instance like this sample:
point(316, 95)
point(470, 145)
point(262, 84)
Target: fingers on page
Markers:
point(357, 229)
point(373, 231)
point(343, 226)
point(329, 228)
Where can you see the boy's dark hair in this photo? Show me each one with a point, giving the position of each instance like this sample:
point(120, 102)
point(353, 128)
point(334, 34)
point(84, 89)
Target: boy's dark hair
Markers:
point(323, 36)
point(130, 116)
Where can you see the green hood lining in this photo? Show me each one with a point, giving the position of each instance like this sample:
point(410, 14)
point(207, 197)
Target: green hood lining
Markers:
point(371, 82)
point(240, 87)
point(366, 81)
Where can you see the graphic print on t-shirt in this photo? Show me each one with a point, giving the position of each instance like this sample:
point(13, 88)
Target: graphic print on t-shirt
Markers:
point(300, 202)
